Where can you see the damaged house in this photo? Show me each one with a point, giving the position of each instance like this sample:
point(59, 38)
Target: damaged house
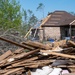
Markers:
point(57, 25)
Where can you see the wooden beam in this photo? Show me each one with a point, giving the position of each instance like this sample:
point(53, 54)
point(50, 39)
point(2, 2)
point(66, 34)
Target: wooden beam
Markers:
point(14, 70)
point(22, 55)
point(5, 55)
point(36, 45)
point(15, 43)
point(59, 54)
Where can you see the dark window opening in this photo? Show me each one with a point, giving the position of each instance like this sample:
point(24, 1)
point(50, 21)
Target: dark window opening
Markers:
point(66, 33)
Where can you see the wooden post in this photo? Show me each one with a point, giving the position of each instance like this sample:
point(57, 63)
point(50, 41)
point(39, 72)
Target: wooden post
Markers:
point(70, 32)
point(71, 28)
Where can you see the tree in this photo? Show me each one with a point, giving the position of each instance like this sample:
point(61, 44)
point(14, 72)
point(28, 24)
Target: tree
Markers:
point(29, 20)
point(25, 16)
point(33, 20)
point(41, 8)
point(10, 15)
point(30, 12)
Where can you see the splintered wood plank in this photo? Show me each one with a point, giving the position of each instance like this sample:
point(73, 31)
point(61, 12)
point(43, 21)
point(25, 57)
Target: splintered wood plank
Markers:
point(17, 44)
point(33, 64)
point(22, 55)
point(17, 59)
point(20, 72)
point(18, 51)
point(71, 43)
point(59, 54)
point(3, 71)
point(36, 45)
point(29, 72)
point(13, 70)
point(24, 61)
point(5, 55)
point(19, 56)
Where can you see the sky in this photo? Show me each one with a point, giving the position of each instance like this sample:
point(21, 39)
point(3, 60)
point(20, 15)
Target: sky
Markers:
point(50, 6)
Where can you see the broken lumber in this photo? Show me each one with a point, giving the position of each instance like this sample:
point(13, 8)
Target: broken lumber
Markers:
point(18, 51)
point(20, 61)
point(58, 54)
point(5, 55)
point(17, 44)
point(13, 70)
point(22, 55)
point(38, 63)
point(36, 45)
point(71, 43)
point(27, 60)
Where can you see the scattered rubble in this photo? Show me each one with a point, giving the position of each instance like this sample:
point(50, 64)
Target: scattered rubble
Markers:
point(35, 58)
point(12, 35)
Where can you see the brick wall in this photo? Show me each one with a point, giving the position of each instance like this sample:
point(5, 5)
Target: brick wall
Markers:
point(41, 34)
point(52, 32)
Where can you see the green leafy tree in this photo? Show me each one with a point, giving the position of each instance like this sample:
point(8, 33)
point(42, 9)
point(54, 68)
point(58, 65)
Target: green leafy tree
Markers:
point(10, 15)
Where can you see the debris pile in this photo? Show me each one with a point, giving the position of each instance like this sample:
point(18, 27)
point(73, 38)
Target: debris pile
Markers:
point(44, 58)
point(10, 34)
